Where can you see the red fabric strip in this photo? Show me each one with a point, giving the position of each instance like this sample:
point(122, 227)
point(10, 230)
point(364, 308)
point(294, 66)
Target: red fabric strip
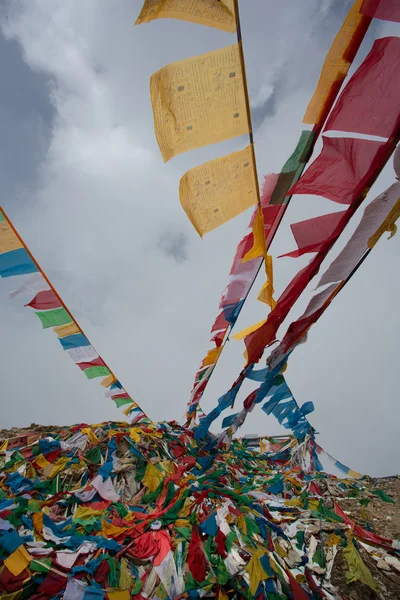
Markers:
point(370, 101)
point(97, 362)
point(220, 323)
point(387, 10)
point(312, 233)
point(45, 300)
point(341, 170)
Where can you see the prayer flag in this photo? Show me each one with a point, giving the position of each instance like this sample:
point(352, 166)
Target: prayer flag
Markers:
point(213, 13)
point(337, 63)
point(8, 240)
point(16, 262)
point(387, 10)
point(199, 101)
point(45, 300)
point(219, 190)
point(370, 101)
point(51, 318)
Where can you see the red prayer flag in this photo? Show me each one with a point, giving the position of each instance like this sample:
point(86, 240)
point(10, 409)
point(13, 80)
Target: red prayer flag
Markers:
point(387, 10)
point(45, 300)
point(341, 171)
point(220, 323)
point(311, 234)
point(97, 362)
point(370, 101)
point(196, 559)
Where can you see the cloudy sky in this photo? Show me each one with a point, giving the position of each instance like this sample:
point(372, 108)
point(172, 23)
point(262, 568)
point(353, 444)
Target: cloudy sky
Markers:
point(84, 182)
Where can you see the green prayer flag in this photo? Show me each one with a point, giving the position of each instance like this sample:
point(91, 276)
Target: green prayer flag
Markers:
point(383, 496)
point(293, 168)
point(93, 372)
point(122, 401)
point(53, 318)
point(2, 217)
point(41, 566)
point(358, 571)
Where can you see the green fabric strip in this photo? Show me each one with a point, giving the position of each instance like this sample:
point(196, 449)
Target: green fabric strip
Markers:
point(293, 168)
point(122, 401)
point(52, 318)
point(2, 217)
point(93, 372)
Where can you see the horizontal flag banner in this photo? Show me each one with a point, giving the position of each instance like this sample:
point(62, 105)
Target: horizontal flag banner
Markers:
point(370, 102)
point(337, 64)
point(184, 115)
point(340, 170)
point(212, 13)
point(219, 190)
point(387, 10)
point(16, 261)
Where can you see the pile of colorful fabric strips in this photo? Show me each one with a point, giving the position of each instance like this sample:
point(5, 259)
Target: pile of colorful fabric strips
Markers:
point(119, 511)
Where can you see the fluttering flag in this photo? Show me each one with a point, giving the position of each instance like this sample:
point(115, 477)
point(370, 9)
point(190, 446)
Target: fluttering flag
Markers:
point(340, 170)
point(292, 169)
point(374, 215)
point(185, 117)
point(370, 101)
point(337, 64)
point(32, 285)
point(8, 240)
point(387, 10)
point(54, 318)
point(219, 190)
point(16, 262)
point(45, 300)
point(389, 225)
point(213, 13)
point(311, 234)
point(66, 330)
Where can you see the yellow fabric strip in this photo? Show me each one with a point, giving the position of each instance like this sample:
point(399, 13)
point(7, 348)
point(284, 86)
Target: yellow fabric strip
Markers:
point(8, 239)
point(152, 477)
point(18, 561)
point(389, 224)
point(213, 13)
point(199, 101)
point(108, 381)
point(258, 248)
point(242, 334)
point(219, 190)
point(267, 290)
point(212, 356)
point(68, 329)
point(335, 66)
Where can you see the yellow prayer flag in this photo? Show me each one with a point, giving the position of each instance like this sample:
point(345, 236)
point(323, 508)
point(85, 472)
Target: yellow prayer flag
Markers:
point(4, 446)
point(128, 409)
point(110, 530)
point(219, 190)
point(68, 329)
point(152, 477)
point(37, 519)
point(335, 66)
point(54, 468)
point(245, 332)
point(125, 579)
point(389, 225)
point(354, 474)
point(91, 435)
point(212, 356)
point(8, 240)
point(199, 101)
point(107, 381)
point(213, 13)
point(42, 461)
point(18, 561)
point(12, 595)
point(118, 594)
point(135, 434)
point(267, 290)
point(258, 248)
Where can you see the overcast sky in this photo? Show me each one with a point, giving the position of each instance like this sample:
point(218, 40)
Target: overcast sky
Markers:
point(82, 178)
